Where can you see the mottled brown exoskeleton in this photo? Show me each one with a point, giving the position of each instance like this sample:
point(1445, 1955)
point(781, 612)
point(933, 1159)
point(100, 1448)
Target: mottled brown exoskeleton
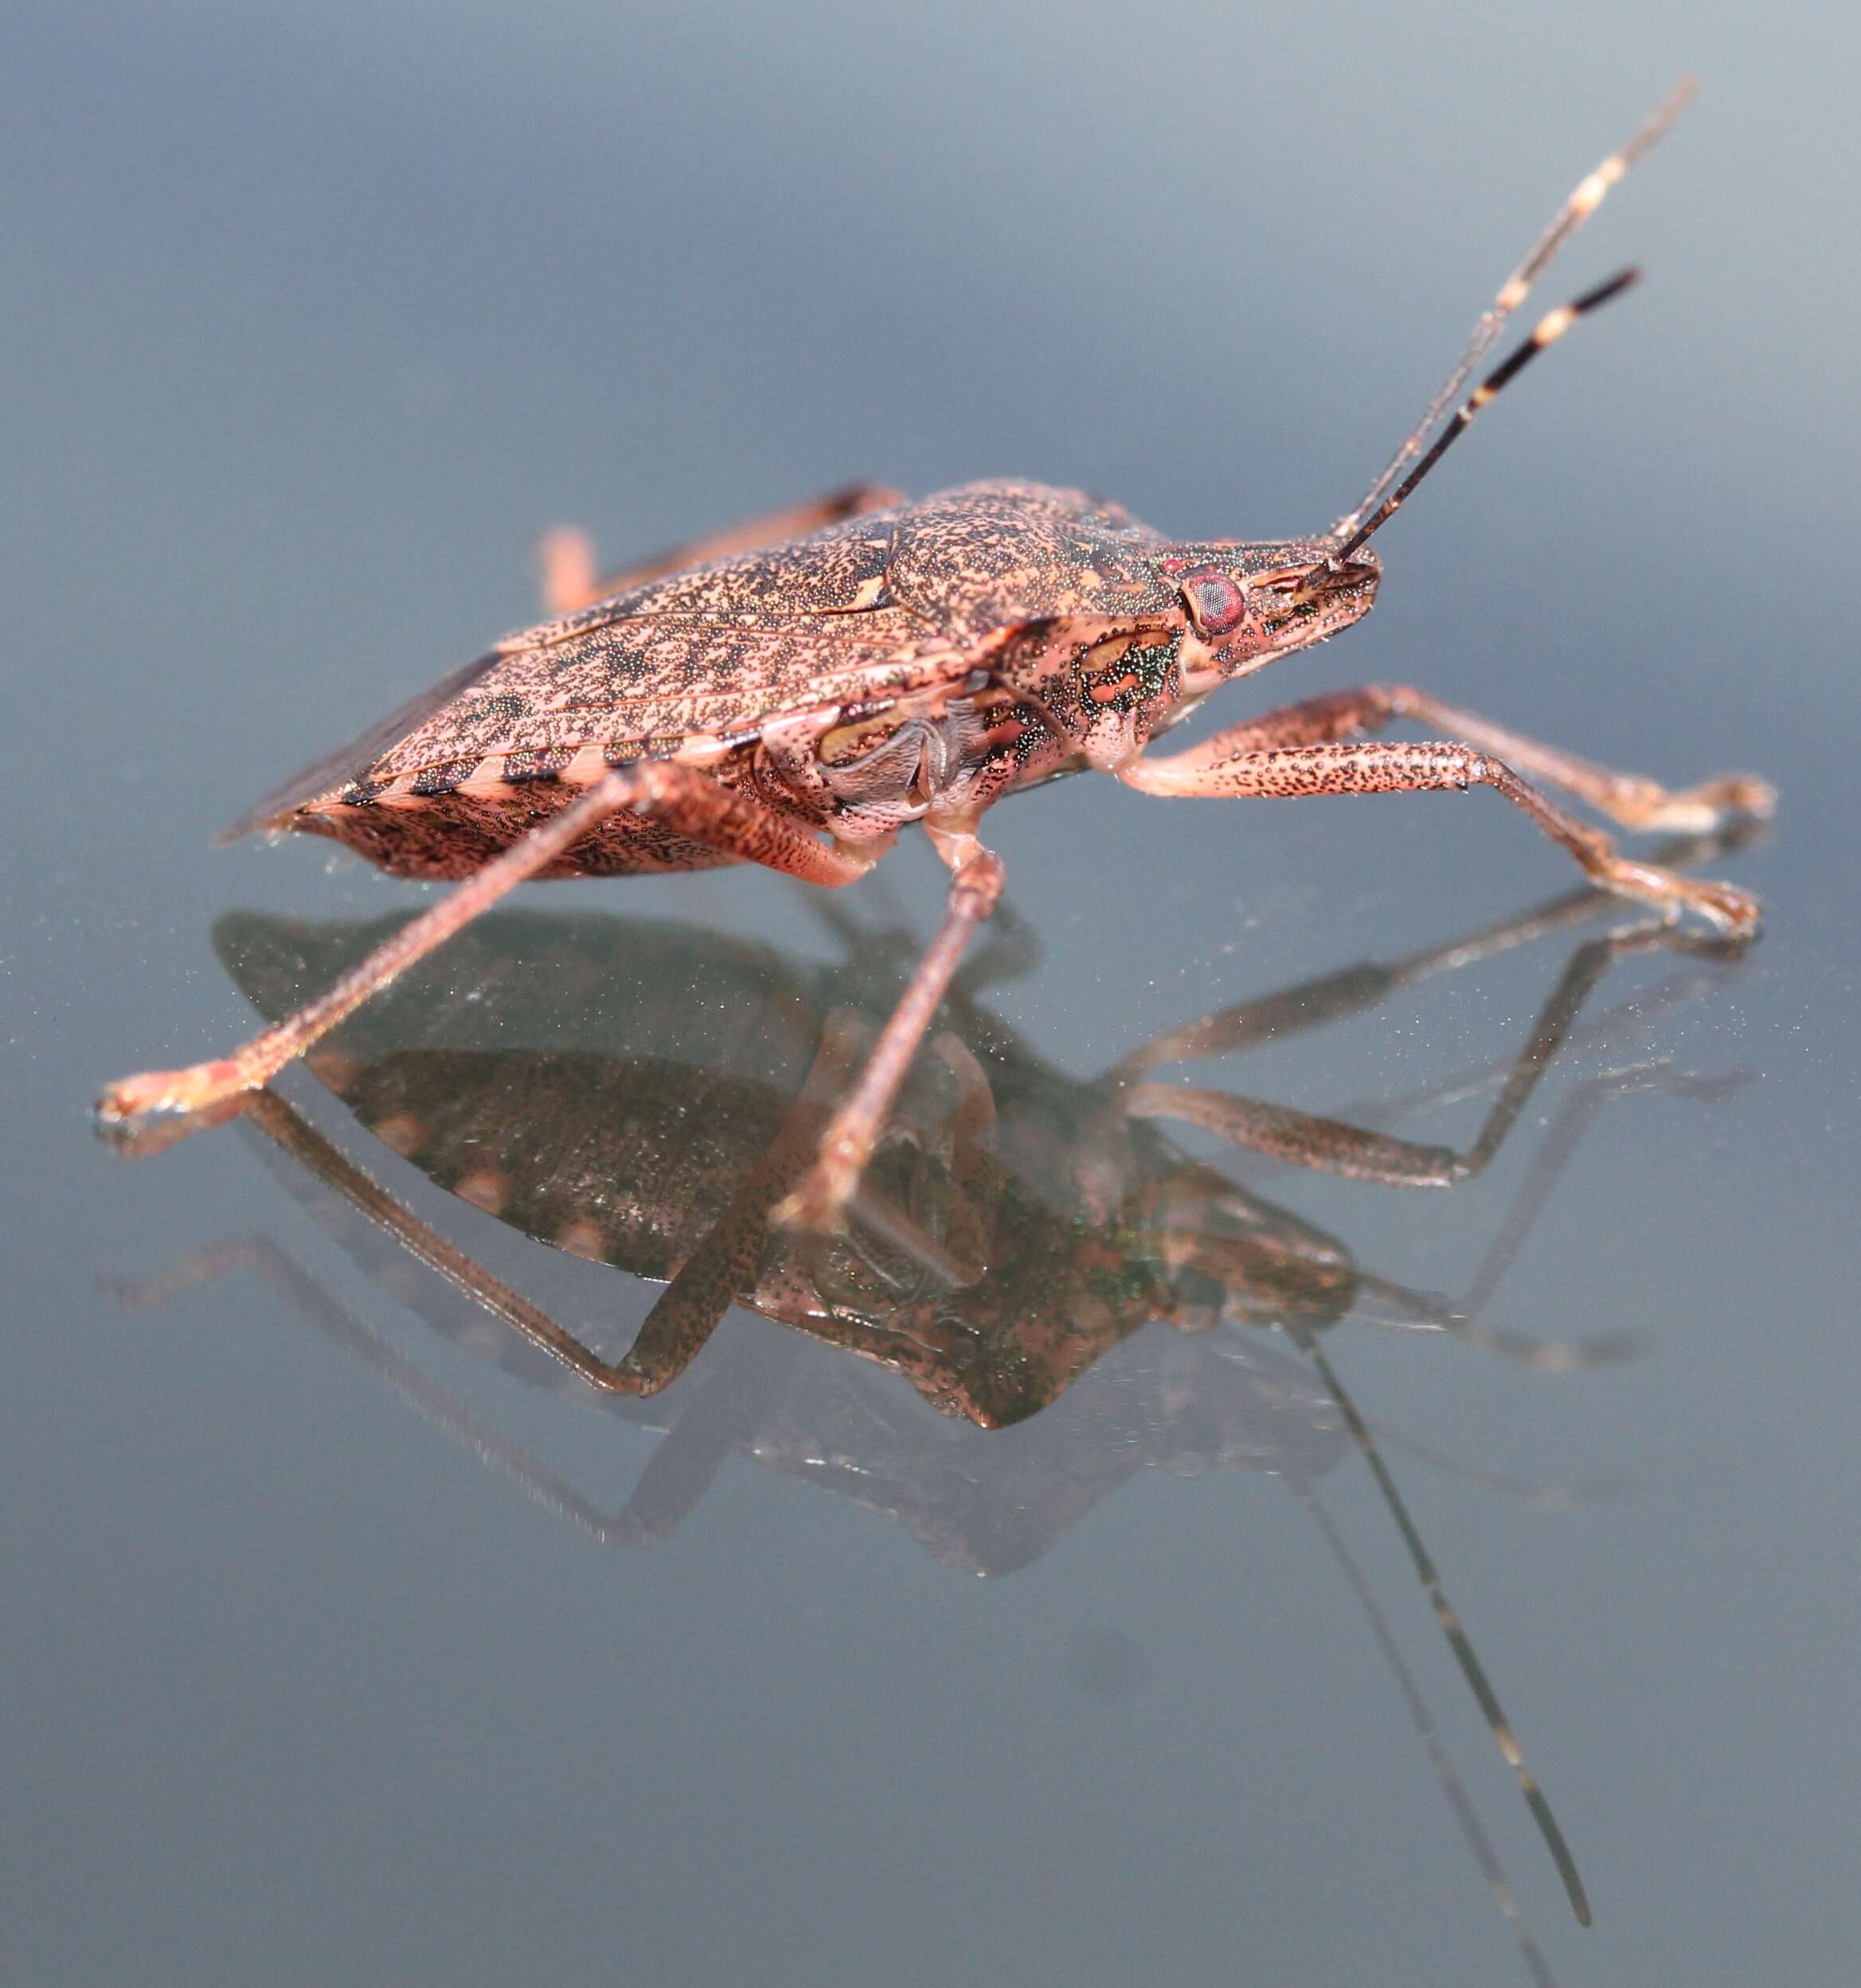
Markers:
point(794, 693)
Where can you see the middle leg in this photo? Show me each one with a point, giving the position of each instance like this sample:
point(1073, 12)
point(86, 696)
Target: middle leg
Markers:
point(820, 1202)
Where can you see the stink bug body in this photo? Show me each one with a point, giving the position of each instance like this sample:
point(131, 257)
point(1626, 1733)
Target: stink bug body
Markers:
point(795, 693)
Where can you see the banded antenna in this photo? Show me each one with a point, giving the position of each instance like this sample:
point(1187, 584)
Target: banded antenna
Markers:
point(1550, 328)
point(1583, 203)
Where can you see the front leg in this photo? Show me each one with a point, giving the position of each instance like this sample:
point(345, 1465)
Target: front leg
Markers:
point(1630, 799)
point(1310, 749)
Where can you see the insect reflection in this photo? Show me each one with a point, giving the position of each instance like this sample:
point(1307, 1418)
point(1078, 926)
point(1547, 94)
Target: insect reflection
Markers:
point(1015, 1226)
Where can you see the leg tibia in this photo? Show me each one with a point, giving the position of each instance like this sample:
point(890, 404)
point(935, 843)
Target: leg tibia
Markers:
point(1231, 765)
point(818, 1203)
point(1626, 798)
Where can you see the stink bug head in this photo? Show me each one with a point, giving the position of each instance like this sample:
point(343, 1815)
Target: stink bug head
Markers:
point(1246, 605)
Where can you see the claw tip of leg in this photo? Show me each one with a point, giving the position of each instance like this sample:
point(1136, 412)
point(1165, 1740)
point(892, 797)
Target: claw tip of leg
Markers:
point(1757, 798)
point(148, 1113)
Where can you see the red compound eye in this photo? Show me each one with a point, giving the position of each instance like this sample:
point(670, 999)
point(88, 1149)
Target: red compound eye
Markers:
point(1217, 605)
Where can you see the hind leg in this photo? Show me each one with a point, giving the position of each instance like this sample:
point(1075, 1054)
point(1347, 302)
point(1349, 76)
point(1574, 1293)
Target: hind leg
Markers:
point(683, 797)
point(571, 580)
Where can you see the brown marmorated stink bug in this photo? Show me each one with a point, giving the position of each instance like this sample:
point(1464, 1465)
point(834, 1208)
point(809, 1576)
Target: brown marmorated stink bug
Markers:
point(794, 692)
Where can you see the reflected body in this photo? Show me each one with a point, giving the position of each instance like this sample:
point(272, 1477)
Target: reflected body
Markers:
point(642, 1095)
point(1014, 1223)
point(648, 1100)
point(1016, 1227)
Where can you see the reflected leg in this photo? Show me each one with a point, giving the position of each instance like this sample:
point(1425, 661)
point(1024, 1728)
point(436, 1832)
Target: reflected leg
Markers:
point(298, 1289)
point(1328, 1146)
point(1314, 1003)
point(656, 1356)
point(686, 1311)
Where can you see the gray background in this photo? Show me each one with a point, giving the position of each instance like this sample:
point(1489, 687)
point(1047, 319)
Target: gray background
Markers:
point(315, 318)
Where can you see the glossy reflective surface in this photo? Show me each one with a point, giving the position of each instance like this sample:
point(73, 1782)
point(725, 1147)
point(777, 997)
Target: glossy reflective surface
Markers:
point(328, 321)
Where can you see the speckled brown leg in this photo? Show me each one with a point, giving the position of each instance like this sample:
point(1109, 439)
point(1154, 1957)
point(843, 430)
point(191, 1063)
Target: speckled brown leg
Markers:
point(820, 1202)
point(681, 795)
point(965, 1142)
point(1627, 798)
point(571, 581)
point(1310, 749)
